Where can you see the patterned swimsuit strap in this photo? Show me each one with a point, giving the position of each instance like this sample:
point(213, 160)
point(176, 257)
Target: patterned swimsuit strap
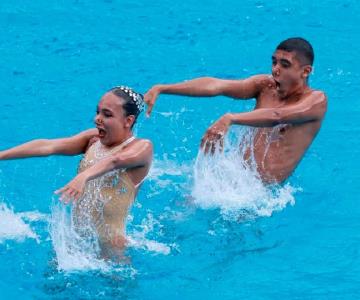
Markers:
point(101, 153)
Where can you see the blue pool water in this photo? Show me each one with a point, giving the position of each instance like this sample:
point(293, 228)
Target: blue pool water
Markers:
point(192, 236)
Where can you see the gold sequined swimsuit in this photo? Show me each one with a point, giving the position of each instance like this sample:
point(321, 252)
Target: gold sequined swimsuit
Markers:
point(106, 201)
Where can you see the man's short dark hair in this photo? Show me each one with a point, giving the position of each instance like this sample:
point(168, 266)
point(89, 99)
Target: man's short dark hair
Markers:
point(303, 49)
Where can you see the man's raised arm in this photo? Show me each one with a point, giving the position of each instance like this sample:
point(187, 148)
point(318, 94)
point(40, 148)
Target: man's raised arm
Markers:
point(208, 87)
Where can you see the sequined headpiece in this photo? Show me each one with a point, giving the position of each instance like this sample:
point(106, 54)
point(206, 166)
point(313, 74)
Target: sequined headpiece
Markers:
point(137, 98)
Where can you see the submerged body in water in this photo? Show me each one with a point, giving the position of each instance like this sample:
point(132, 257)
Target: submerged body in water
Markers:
point(112, 169)
point(278, 150)
point(282, 98)
point(230, 181)
point(105, 203)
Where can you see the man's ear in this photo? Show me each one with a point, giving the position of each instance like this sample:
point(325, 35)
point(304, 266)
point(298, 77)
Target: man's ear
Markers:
point(129, 121)
point(307, 71)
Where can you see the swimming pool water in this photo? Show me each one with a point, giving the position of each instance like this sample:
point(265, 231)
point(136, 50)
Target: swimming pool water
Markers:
point(300, 241)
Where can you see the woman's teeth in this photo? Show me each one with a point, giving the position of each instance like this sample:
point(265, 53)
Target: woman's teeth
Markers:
point(101, 132)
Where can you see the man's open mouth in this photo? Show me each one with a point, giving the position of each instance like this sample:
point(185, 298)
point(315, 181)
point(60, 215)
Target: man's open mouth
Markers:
point(277, 84)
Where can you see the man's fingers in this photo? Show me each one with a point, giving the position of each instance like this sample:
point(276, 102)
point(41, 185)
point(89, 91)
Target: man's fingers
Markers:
point(118, 241)
point(213, 147)
point(206, 139)
point(149, 109)
point(207, 147)
point(203, 141)
point(149, 99)
point(221, 144)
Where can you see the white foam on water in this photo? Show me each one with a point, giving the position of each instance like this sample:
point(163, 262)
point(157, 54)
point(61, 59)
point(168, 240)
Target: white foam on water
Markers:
point(13, 225)
point(224, 181)
point(33, 216)
point(138, 241)
point(168, 167)
point(167, 174)
point(137, 238)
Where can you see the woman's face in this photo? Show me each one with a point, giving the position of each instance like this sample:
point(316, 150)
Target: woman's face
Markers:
point(113, 125)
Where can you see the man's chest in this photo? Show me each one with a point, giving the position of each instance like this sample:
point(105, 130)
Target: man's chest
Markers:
point(269, 100)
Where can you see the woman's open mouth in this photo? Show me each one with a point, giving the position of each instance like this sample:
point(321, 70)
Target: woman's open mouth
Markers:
point(102, 132)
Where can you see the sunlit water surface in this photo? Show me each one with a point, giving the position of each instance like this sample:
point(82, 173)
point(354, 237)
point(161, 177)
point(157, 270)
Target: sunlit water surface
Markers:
point(200, 227)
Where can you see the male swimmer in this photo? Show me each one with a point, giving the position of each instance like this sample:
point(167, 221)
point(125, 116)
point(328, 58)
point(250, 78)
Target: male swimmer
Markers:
point(113, 167)
point(283, 98)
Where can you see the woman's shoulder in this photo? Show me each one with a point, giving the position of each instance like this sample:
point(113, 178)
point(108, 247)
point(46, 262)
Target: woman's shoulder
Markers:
point(145, 142)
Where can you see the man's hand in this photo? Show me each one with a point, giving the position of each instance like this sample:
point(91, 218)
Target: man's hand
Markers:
point(150, 98)
point(73, 190)
point(215, 134)
point(118, 241)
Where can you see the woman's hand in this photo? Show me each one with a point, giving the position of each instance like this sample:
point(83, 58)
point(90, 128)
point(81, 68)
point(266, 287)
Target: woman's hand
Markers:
point(215, 134)
point(73, 190)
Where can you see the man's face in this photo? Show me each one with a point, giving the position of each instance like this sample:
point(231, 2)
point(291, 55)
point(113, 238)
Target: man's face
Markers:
point(111, 121)
point(288, 72)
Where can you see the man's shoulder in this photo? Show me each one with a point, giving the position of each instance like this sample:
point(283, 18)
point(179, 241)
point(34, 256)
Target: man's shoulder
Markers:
point(316, 100)
point(318, 93)
point(318, 96)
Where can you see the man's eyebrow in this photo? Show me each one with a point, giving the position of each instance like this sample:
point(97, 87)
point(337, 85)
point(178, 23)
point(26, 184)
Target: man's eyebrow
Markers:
point(283, 60)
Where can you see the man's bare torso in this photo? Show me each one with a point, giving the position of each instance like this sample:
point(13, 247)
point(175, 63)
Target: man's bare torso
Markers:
point(278, 150)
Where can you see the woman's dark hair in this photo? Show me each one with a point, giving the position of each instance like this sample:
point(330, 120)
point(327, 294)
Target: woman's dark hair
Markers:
point(303, 49)
point(133, 102)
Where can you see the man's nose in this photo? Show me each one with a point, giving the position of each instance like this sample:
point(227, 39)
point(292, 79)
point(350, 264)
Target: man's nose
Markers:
point(276, 70)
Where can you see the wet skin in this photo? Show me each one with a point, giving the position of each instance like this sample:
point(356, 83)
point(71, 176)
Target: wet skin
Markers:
point(277, 159)
point(113, 128)
point(283, 98)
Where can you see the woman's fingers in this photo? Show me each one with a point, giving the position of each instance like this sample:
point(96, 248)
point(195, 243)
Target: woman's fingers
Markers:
point(67, 193)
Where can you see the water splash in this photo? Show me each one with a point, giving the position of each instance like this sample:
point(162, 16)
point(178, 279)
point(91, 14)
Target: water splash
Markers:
point(138, 239)
point(225, 181)
point(76, 253)
point(13, 225)
point(73, 253)
point(167, 167)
